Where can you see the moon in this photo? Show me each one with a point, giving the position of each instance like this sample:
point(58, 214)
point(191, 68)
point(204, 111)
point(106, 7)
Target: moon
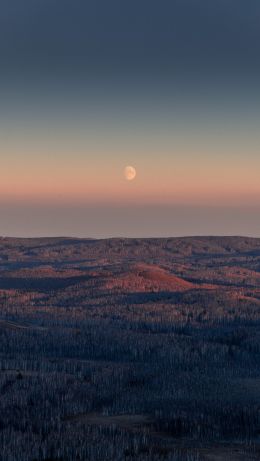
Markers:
point(130, 173)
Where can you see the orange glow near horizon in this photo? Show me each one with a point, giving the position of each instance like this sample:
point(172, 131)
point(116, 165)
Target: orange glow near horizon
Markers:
point(88, 169)
point(198, 183)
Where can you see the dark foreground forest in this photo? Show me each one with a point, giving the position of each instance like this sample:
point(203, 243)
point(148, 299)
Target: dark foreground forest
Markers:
point(130, 349)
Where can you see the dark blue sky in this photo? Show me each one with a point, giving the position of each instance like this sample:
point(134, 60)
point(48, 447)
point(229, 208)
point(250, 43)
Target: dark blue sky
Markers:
point(138, 38)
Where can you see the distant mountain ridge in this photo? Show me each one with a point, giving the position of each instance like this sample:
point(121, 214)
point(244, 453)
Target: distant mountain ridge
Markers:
point(53, 248)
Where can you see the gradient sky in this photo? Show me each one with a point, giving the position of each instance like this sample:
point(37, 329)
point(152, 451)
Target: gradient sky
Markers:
point(170, 87)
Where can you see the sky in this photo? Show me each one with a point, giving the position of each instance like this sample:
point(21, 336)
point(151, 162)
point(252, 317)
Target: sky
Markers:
point(170, 87)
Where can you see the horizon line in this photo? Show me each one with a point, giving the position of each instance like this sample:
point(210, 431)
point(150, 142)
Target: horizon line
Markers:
point(71, 237)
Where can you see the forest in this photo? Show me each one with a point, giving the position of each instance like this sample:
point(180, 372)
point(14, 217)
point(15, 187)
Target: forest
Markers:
point(130, 349)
